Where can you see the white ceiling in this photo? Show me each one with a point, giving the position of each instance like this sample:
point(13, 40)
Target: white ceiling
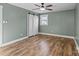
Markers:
point(56, 6)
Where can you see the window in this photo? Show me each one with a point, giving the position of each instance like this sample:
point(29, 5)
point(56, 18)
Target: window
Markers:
point(44, 19)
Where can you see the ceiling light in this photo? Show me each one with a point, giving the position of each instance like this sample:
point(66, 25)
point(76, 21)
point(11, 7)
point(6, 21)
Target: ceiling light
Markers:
point(42, 9)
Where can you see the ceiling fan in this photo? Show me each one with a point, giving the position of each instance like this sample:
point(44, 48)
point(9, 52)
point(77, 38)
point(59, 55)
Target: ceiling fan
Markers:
point(42, 7)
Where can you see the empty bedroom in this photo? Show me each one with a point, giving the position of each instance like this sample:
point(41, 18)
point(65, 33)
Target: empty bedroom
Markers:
point(39, 29)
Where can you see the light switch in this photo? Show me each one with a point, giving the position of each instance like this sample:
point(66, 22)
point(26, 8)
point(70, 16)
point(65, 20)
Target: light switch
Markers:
point(6, 21)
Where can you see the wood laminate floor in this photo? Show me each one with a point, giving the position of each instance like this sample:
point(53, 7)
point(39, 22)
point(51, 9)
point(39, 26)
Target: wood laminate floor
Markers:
point(41, 45)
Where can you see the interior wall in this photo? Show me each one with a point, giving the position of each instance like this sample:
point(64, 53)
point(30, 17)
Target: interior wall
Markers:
point(17, 22)
point(61, 23)
point(58, 23)
point(77, 23)
point(1, 24)
point(16, 26)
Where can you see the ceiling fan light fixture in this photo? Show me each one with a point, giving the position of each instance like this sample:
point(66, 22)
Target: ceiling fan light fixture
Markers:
point(42, 9)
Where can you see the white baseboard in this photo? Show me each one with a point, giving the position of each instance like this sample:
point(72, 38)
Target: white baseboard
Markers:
point(5, 44)
point(76, 45)
point(58, 35)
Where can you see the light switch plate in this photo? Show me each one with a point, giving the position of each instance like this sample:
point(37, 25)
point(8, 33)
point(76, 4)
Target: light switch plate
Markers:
point(6, 21)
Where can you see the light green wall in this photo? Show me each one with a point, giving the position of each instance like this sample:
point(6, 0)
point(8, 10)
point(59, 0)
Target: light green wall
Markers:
point(17, 22)
point(61, 23)
point(16, 25)
point(77, 23)
point(1, 24)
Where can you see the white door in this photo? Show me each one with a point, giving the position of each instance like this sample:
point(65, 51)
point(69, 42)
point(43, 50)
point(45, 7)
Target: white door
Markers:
point(1, 24)
point(35, 25)
point(32, 25)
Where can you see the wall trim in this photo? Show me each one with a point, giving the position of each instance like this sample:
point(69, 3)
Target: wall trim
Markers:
point(5, 44)
point(76, 45)
point(57, 35)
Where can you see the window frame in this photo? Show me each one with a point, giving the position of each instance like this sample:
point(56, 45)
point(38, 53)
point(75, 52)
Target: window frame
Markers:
point(45, 18)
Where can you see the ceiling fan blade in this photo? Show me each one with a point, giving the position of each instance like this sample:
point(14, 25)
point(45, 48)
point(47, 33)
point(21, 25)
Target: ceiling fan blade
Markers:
point(49, 5)
point(49, 9)
point(36, 5)
point(35, 8)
